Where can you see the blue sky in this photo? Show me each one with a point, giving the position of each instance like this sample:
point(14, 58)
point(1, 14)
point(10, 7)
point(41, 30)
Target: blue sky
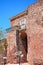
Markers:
point(10, 8)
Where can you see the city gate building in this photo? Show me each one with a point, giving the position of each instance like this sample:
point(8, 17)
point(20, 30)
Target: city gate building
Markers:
point(25, 37)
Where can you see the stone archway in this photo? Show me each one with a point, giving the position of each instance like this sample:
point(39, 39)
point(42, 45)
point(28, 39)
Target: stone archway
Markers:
point(23, 38)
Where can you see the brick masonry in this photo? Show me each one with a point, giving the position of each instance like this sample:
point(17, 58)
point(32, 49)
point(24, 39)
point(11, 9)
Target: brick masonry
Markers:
point(34, 31)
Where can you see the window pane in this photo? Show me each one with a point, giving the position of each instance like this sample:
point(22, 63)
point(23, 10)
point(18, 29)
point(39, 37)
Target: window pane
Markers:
point(22, 22)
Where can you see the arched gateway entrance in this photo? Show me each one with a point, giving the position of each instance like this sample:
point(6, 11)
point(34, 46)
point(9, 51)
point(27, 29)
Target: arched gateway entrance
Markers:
point(23, 47)
point(21, 40)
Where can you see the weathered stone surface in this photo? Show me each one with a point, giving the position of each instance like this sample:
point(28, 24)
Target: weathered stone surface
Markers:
point(34, 31)
point(2, 51)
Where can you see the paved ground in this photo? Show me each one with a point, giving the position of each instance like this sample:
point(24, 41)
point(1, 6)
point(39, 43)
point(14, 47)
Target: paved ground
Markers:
point(18, 64)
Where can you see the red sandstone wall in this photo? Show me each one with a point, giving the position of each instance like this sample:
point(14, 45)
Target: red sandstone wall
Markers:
point(34, 30)
point(17, 21)
point(11, 39)
point(2, 51)
point(35, 33)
